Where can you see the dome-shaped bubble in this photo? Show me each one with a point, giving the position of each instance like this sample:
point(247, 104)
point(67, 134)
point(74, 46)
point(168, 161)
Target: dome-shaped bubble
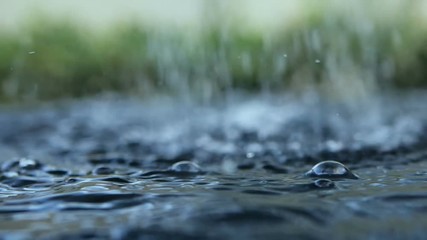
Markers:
point(331, 169)
point(186, 167)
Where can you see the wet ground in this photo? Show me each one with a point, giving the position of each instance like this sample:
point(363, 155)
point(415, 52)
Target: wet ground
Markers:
point(122, 169)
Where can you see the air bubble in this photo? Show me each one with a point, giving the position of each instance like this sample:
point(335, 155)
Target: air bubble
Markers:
point(186, 166)
point(331, 169)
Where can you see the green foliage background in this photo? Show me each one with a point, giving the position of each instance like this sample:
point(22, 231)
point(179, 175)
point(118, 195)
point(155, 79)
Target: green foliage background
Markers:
point(326, 49)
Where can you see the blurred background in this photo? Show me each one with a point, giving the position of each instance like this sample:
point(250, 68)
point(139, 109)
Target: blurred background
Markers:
point(205, 50)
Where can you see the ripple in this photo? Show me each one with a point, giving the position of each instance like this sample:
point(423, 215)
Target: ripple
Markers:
point(319, 184)
point(248, 216)
point(22, 181)
point(404, 197)
point(102, 170)
point(260, 192)
point(81, 197)
point(324, 183)
point(57, 172)
point(274, 169)
point(120, 180)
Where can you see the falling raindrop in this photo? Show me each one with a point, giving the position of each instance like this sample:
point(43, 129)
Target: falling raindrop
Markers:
point(317, 61)
point(331, 169)
point(31, 52)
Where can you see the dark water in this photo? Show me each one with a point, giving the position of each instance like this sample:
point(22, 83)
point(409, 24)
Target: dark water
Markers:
point(121, 169)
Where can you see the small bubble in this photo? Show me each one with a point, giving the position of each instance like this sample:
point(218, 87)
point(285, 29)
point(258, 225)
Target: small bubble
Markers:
point(186, 166)
point(71, 180)
point(31, 52)
point(331, 169)
point(317, 61)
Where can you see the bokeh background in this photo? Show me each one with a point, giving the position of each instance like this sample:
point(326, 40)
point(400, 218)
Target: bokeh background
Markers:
point(205, 50)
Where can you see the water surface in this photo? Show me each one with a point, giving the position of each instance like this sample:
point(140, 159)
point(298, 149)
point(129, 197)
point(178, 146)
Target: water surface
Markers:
point(108, 169)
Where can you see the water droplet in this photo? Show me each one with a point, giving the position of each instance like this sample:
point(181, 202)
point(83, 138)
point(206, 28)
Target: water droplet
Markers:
point(186, 166)
point(31, 52)
point(317, 61)
point(285, 55)
point(331, 169)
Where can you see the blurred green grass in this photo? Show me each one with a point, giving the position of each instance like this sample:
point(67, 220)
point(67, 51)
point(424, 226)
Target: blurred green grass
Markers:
point(336, 51)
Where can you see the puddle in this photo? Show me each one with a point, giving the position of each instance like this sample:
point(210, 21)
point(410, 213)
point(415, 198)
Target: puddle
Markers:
point(124, 173)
